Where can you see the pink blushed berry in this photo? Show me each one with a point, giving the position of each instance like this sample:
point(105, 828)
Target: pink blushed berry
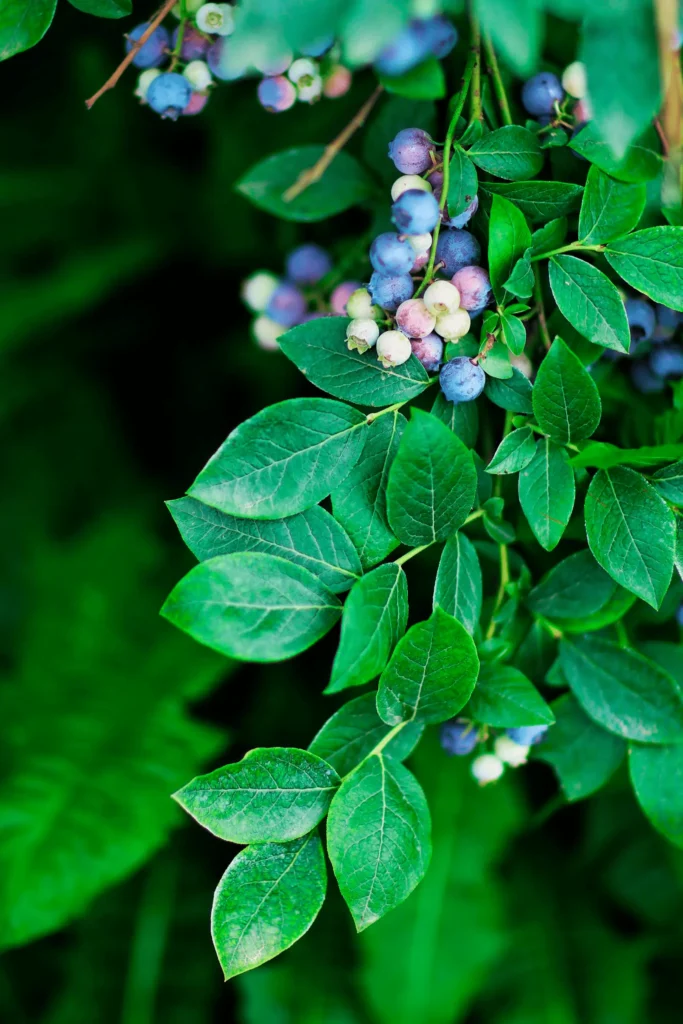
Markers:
point(337, 83)
point(429, 350)
point(341, 295)
point(198, 101)
point(474, 286)
point(414, 318)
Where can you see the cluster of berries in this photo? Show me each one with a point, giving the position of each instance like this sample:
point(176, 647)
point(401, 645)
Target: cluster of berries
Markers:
point(548, 98)
point(657, 356)
point(420, 39)
point(459, 737)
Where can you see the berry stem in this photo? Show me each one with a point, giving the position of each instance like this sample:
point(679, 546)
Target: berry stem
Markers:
point(113, 78)
point(493, 71)
point(572, 246)
point(538, 298)
point(412, 553)
point(500, 596)
point(181, 33)
point(476, 109)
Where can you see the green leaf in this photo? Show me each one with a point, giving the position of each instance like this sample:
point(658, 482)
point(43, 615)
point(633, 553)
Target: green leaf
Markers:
point(657, 777)
point(550, 236)
point(514, 452)
point(573, 589)
point(23, 23)
point(520, 283)
point(583, 755)
point(252, 606)
point(652, 262)
point(267, 899)
point(538, 200)
point(458, 586)
point(604, 456)
point(431, 673)
point(566, 400)
point(678, 553)
point(355, 730)
point(375, 616)
point(631, 532)
point(496, 362)
point(284, 459)
point(516, 30)
point(432, 482)
point(345, 183)
point(615, 609)
point(319, 350)
point(640, 163)
point(424, 82)
point(378, 838)
point(546, 493)
point(460, 417)
point(669, 482)
point(312, 539)
point(509, 238)
point(610, 208)
point(462, 183)
point(590, 302)
point(505, 698)
point(360, 503)
point(511, 152)
point(272, 795)
point(104, 8)
point(513, 394)
point(623, 691)
point(514, 331)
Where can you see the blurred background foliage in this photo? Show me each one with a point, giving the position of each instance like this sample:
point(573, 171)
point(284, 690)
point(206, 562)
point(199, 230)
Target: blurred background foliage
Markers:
point(125, 360)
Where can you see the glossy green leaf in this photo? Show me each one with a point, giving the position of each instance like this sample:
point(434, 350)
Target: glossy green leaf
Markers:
point(651, 261)
point(519, 283)
point(669, 482)
point(511, 152)
point(458, 587)
point(640, 163)
point(509, 238)
point(605, 456)
point(505, 698)
point(631, 532)
point(267, 899)
point(374, 618)
point(460, 417)
point(590, 302)
point(432, 482)
point(496, 361)
point(550, 236)
point(514, 331)
point(566, 400)
point(539, 200)
point(284, 459)
point(378, 838)
point(23, 23)
point(657, 777)
point(104, 8)
point(574, 588)
point(615, 609)
point(462, 182)
point(319, 349)
point(431, 673)
point(424, 82)
point(514, 452)
point(272, 795)
point(516, 30)
point(623, 691)
point(546, 493)
point(252, 606)
point(513, 394)
point(610, 208)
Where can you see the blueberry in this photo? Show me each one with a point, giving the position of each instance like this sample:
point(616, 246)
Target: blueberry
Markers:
point(152, 53)
point(667, 361)
point(541, 92)
point(307, 264)
point(453, 326)
point(415, 212)
point(194, 44)
point(225, 62)
point(487, 768)
point(510, 752)
point(414, 319)
point(641, 320)
point(410, 151)
point(393, 348)
point(462, 380)
point(217, 19)
point(341, 295)
point(464, 217)
point(440, 33)
point(406, 182)
point(318, 47)
point(679, 615)
point(169, 94)
point(337, 82)
point(198, 101)
point(457, 249)
point(390, 254)
point(527, 735)
point(429, 351)
point(390, 292)
point(276, 94)
point(406, 51)
point(474, 286)
point(287, 306)
point(667, 322)
point(458, 737)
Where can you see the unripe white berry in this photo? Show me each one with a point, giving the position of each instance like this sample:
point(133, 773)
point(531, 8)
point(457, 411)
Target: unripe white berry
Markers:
point(302, 68)
point(487, 768)
point(452, 326)
point(145, 79)
point(574, 80)
point(441, 297)
point(311, 91)
point(266, 332)
point(258, 288)
point(420, 244)
point(359, 306)
point(407, 182)
point(510, 752)
point(216, 19)
point(198, 75)
point(393, 348)
point(362, 334)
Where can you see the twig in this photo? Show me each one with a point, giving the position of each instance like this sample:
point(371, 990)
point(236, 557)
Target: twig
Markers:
point(494, 74)
point(315, 173)
point(113, 79)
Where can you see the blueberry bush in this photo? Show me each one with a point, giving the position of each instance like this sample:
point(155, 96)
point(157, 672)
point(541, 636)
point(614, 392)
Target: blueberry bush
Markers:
point(488, 420)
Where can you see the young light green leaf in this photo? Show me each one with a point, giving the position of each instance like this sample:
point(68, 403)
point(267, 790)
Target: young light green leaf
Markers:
point(550, 236)
point(566, 400)
point(511, 152)
point(538, 200)
point(462, 182)
point(513, 394)
point(319, 350)
point(267, 899)
point(574, 588)
point(23, 23)
point(520, 283)
point(583, 755)
point(283, 460)
point(514, 331)
point(431, 673)
point(651, 261)
point(378, 837)
point(547, 492)
point(669, 482)
point(272, 795)
point(509, 238)
point(375, 616)
point(432, 482)
point(590, 302)
point(641, 162)
point(313, 539)
point(458, 586)
point(623, 691)
point(514, 452)
point(355, 730)
point(610, 208)
point(360, 504)
point(631, 532)
point(424, 82)
point(460, 417)
point(505, 698)
point(657, 777)
point(252, 606)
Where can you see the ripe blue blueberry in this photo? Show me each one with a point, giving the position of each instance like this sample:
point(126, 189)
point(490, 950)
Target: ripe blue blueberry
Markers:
point(541, 92)
point(406, 50)
point(307, 264)
point(415, 212)
point(440, 33)
point(464, 217)
point(276, 94)
point(391, 255)
point(152, 53)
point(679, 615)
point(458, 737)
point(462, 380)
point(641, 319)
point(527, 735)
point(286, 306)
point(474, 286)
point(667, 322)
point(169, 94)
point(667, 361)
point(644, 380)
point(457, 249)
point(410, 151)
point(390, 292)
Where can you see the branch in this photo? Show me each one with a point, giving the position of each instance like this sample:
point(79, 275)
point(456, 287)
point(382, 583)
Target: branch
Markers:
point(669, 129)
point(113, 79)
